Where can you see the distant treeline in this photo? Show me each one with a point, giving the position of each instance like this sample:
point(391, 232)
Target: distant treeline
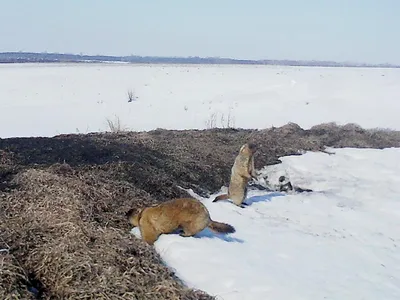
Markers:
point(31, 57)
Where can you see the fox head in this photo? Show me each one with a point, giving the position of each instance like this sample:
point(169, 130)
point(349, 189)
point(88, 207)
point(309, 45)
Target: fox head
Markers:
point(134, 216)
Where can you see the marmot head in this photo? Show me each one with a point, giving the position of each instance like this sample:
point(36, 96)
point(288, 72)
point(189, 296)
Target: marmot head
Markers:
point(252, 147)
point(248, 148)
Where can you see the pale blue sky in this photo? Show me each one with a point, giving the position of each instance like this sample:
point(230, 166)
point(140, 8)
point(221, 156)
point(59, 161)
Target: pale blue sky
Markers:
point(340, 30)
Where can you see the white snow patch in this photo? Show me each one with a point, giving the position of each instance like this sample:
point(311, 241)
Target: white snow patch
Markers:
point(340, 242)
point(51, 99)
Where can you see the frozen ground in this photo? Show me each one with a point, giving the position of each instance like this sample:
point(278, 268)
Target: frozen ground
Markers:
point(50, 99)
point(340, 242)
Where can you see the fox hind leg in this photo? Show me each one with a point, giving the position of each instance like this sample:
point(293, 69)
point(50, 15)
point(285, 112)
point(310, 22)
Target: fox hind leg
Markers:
point(190, 229)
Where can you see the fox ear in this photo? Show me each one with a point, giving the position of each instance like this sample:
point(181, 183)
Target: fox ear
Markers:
point(129, 213)
point(133, 211)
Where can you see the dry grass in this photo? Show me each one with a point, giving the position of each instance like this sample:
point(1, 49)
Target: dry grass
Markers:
point(131, 96)
point(115, 125)
point(353, 135)
point(6, 157)
point(70, 233)
point(64, 231)
point(225, 121)
point(12, 279)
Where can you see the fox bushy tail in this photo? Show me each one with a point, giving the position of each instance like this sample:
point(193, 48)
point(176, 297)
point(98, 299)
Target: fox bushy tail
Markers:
point(221, 227)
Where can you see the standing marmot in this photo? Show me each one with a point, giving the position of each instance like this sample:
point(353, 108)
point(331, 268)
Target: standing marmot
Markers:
point(187, 214)
point(242, 171)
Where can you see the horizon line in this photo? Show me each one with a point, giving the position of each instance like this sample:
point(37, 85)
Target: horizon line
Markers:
point(82, 54)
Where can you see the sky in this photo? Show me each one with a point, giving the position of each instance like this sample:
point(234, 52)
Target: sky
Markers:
point(341, 30)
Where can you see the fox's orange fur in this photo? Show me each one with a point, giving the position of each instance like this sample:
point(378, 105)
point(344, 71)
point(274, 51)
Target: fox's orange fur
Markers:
point(187, 214)
point(242, 171)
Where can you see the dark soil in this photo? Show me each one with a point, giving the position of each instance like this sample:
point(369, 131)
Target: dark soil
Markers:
point(63, 231)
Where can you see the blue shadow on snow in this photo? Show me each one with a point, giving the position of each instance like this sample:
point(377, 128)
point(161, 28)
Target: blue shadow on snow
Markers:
point(210, 234)
point(263, 198)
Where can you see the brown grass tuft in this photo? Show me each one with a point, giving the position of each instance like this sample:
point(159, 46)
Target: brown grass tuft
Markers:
point(6, 157)
point(12, 278)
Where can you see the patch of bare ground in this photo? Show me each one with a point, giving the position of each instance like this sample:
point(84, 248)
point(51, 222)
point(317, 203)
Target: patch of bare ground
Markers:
point(64, 234)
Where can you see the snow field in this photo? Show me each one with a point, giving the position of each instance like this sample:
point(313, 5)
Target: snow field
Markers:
point(51, 99)
point(339, 242)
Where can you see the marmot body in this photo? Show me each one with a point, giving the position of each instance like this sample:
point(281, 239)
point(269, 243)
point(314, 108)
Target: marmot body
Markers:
point(187, 214)
point(242, 171)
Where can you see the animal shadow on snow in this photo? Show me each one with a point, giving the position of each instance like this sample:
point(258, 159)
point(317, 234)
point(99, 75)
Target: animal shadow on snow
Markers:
point(263, 198)
point(207, 233)
point(202, 234)
point(210, 234)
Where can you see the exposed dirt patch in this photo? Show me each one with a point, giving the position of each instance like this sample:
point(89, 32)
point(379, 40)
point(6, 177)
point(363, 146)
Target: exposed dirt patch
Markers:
point(63, 201)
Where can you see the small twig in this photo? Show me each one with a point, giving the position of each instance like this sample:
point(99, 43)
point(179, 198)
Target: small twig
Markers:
point(327, 152)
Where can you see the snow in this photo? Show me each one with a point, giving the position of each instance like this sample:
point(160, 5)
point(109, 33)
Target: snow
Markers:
point(339, 242)
point(51, 99)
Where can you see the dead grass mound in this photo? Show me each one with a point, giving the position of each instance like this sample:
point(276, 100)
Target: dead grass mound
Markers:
point(63, 232)
point(353, 135)
point(159, 160)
